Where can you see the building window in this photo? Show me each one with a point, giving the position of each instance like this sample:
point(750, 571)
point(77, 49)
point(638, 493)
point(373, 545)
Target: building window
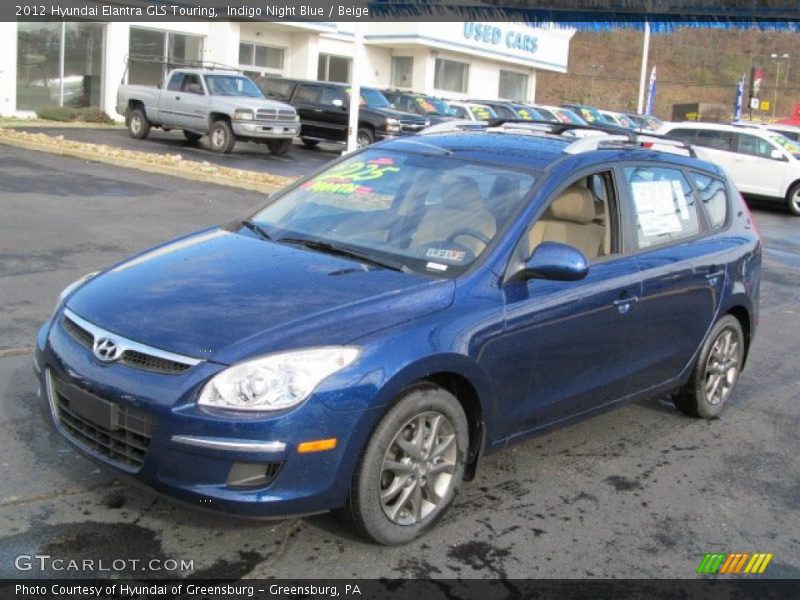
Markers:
point(41, 80)
point(258, 55)
point(402, 69)
point(513, 86)
point(151, 53)
point(333, 68)
point(451, 76)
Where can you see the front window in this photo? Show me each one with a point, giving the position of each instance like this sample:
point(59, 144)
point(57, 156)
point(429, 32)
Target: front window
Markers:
point(451, 75)
point(232, 85)
point(373, 98)
point(417, 213)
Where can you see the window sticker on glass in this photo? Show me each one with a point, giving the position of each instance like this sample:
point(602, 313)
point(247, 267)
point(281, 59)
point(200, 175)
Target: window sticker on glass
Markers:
point(426, 106)
point(524, 114)
point(480, 112)
point(656, 206)
point(445, 254)
point(347, 177)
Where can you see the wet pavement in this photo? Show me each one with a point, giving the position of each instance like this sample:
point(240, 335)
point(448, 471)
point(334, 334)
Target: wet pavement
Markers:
point(641, 491)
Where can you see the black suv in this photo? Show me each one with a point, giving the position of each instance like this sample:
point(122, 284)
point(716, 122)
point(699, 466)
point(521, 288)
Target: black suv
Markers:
point(434, 109)
point(323, 110)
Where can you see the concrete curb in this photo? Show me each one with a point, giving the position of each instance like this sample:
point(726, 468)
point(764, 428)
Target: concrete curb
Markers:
point(142, 165)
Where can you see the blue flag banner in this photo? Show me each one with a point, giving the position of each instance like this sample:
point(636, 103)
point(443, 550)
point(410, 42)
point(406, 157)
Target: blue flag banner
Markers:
point(737, 104)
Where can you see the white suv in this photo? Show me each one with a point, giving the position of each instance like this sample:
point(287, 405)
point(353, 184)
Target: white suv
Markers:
point(761, 162)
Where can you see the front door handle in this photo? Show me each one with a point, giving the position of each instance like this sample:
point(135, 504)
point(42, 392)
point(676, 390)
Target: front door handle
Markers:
point(624, 304)
point(714, 276)
point(177, 97)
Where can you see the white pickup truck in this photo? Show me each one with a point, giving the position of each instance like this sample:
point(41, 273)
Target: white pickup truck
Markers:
point(223, 105)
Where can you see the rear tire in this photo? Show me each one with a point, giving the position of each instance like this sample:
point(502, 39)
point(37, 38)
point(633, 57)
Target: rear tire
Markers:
point(310, 143)
point(716, 372)
point(220, 137)
point(138, 125)
point(411, 468)
point(793, 199)
point(279, 147)
point(191, 136)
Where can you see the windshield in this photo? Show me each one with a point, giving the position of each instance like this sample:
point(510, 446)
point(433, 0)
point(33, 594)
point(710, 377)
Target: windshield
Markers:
point(528, 113)
point(569, 116)
point(442, 107)
point(373, 98)
point(592, 115)
point(429, 106)
point(429, 214)
point(787, 144)
point(232, 85)
point(481, 112)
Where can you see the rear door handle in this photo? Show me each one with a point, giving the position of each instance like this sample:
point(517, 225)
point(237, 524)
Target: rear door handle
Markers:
point(624, 304)
point(177, 97)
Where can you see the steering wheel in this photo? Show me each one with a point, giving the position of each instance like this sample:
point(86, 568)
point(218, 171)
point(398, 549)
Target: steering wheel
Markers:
point(469, 232)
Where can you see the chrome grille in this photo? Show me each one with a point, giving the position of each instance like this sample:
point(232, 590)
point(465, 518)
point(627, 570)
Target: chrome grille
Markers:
point(153, 360)
point(275, 114)
point(123, 439)
point(411, 125)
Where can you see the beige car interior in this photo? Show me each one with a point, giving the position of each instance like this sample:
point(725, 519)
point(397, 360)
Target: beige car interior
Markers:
point(461, 208)
point(577, 219)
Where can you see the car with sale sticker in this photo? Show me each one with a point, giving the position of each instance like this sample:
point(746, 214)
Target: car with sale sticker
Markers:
point(361, 340)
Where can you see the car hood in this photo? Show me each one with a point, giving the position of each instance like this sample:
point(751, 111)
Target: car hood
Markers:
point(226, 296)
point(234, 102)
point(398, 114)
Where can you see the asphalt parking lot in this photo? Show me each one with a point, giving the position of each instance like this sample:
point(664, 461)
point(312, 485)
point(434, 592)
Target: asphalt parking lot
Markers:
point(246, 155)
point(638, 492)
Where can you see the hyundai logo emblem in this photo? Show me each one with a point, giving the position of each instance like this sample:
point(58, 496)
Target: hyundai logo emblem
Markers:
point(106, 350)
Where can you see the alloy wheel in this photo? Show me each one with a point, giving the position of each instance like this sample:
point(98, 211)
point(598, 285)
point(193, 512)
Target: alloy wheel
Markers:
point(418, 468)
point(722, 367)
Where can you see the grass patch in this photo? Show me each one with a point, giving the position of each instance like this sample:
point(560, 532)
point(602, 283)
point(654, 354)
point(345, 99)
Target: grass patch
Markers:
point(68, 114)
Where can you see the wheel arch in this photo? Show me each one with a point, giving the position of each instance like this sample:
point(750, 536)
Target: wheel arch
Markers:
point(742, 314)
point(460, 376)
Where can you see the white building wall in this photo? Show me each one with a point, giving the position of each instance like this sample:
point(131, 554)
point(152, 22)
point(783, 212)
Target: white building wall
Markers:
point(8, 69)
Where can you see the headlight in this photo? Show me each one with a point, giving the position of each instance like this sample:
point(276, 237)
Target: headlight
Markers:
point(391, 121)
point(297, 118)
point(243, 114)
point(275, 382)
point(71, 288)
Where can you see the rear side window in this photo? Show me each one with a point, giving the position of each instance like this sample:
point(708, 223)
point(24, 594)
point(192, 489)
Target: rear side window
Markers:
point(714, 196)
point(329, 94)
point(717, 140)
point(307, 93)
point(175, 82)
point(664, 205)
point(754, 146)
point(685, 135)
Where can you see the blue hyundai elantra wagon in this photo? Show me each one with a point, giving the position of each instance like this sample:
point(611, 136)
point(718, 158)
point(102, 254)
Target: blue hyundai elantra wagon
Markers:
point(364, 337)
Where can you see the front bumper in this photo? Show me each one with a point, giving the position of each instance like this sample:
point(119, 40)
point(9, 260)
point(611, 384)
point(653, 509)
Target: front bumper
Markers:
point(266, 129)
point(199, 456)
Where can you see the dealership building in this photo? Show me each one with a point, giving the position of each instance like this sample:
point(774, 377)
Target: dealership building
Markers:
point(82, 63)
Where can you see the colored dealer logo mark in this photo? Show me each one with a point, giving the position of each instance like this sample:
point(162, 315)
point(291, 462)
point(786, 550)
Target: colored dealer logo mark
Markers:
point(734, 563)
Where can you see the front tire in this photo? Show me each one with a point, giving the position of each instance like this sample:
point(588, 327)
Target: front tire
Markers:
point(793, 199)
point(364, 137)
point(279, 147)
point(411, 468)
point(716, 373)
point(220, 137)
point(138, 124)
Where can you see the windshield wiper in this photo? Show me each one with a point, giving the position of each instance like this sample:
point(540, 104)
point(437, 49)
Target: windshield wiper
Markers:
point(329, 248)
point(257, 229)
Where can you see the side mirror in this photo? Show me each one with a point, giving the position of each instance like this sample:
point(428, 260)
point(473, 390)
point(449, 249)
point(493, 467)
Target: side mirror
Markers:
point(556, 262)
point(338, 102)
point(776, 154)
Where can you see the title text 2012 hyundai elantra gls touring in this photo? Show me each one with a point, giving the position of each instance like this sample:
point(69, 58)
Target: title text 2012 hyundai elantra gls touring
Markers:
point(365, 336)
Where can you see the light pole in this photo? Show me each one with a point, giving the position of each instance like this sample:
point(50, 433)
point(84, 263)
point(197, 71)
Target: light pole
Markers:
point(777, 58)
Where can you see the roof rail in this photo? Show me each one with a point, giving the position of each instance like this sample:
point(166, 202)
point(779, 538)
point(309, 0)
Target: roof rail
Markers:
point(609, 136)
